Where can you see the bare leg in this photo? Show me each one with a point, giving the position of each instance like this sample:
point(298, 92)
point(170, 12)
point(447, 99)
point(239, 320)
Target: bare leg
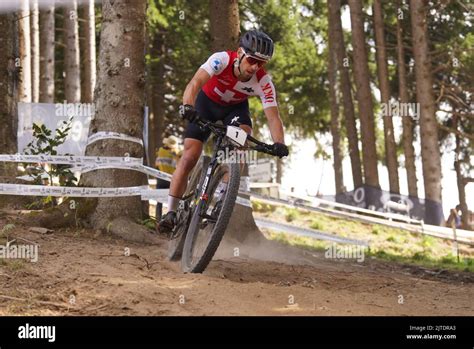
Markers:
point(191, 153)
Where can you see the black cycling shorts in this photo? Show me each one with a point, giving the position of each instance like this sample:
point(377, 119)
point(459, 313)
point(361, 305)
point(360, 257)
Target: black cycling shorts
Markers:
point(236, 114)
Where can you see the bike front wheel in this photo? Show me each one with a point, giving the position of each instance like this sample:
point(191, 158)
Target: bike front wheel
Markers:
point(210, 219)
point(196, 178)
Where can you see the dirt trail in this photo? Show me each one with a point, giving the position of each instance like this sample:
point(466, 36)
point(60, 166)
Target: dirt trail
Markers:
point(87, 273)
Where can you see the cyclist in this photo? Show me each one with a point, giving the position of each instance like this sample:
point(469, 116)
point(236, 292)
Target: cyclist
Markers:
point(219, 90)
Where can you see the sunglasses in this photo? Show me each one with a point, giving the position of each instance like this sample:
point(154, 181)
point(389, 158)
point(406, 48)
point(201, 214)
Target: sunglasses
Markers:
point(253, 61)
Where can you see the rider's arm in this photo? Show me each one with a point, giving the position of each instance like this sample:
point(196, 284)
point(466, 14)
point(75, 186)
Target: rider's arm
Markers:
point(270, 107)
point(213, 66)
point(275, 124)
point(193, 87)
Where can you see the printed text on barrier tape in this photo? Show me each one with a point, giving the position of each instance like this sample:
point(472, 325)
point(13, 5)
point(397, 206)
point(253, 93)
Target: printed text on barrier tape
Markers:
point(141, 168)
point(112, 135)
point(164, 196)
point(43, 190)
point(89, 163)
point(70, 159)
point(86, 164)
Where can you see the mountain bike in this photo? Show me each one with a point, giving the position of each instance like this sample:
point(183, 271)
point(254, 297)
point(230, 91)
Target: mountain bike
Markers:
point(206, 207)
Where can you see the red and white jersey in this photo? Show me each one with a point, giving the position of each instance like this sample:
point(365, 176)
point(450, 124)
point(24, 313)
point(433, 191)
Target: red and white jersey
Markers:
point(225, 89)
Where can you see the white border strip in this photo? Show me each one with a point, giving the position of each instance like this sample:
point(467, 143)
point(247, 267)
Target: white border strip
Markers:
point(463, 236)
point(287, 228)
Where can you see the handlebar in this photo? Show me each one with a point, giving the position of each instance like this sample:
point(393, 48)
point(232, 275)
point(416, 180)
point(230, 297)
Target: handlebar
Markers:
point(220, 129)
point(261, 147)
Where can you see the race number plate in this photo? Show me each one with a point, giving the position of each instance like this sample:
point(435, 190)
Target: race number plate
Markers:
point(237, 135)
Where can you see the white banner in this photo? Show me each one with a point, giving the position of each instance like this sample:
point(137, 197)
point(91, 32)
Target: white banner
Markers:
point(53, 116)
point(261, 172)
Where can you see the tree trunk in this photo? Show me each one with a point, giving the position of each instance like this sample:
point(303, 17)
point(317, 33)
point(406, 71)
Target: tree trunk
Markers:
point(24, 52)
point(89, 79)
point(334, 101)
point(35, 52)
point(459, 177)
point(242, 227)
point(431, 159)
point(334, 7)
point(72, 88)
point(47, 37)
point(363, 94)
point(158, 122)
point(158, 92)
point(9, 80)
point(407, 121)
point(9, 76)
point(152, 148)
point(384, 85)
point(225, 24)
point(119, 107)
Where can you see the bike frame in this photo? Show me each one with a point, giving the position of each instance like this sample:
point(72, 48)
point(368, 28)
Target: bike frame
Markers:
point(198, 198)
point(219, 132)
point(194, 206)
point(211, 170)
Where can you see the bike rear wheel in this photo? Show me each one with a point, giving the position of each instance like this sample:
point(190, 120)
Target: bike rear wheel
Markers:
point(205, 234)
point(178, 235)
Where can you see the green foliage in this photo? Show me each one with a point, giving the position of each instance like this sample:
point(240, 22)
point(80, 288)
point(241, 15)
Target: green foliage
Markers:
point(178, 44)
point(261, 207)
point(181, 30)
point(419, 258)
point(156, 19)
point(150, 223)
point(449, 259)
point(45, 143)
point(179, 41)
point(452, 60)
point(317, 225)
point(298, 68)
point(376, 230)
point(6, 229)
point(290, 216)
point(386, 243)
point(427, 241)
